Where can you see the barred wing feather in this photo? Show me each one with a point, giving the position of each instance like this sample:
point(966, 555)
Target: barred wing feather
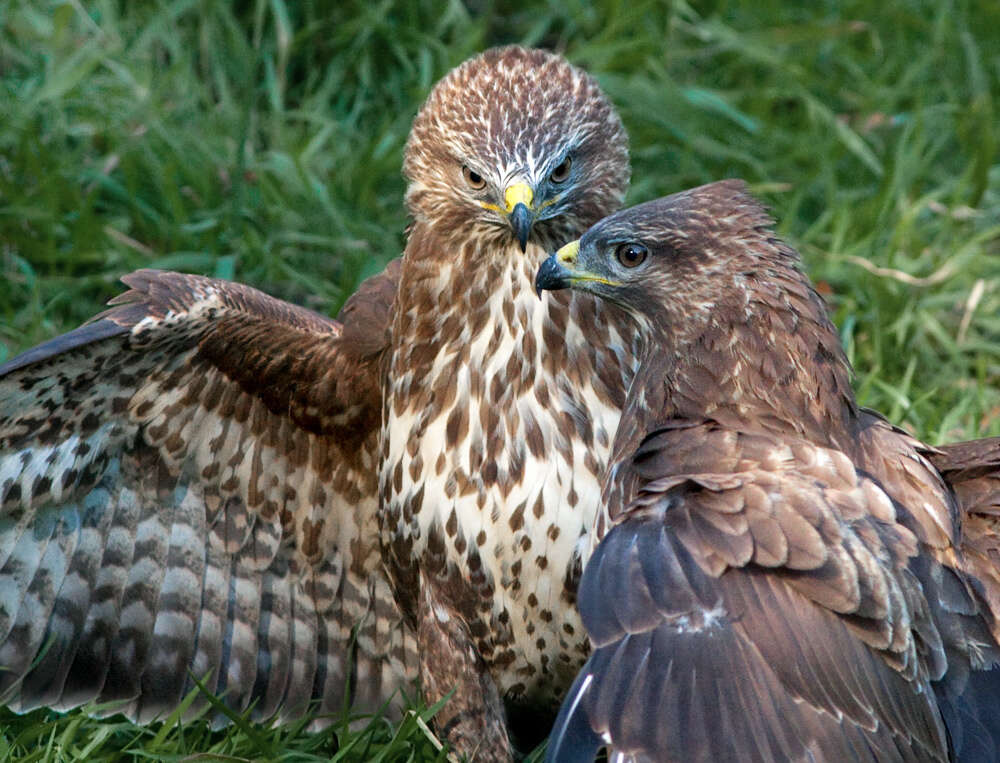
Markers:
point(187, 491)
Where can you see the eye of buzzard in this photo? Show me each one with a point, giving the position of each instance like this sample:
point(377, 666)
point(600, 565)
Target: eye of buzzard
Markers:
point(631, 255)
point(476, 181)
point(561, 173)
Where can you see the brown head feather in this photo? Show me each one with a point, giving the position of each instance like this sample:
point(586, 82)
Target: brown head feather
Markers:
point(514, 114)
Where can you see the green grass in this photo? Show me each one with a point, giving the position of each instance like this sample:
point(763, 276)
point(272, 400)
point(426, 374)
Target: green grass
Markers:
point(48, 736)
point(262, 141)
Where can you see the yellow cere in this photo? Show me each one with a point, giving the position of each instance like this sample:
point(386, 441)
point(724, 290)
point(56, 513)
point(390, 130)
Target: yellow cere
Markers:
point(519, 193)
point(567, 255)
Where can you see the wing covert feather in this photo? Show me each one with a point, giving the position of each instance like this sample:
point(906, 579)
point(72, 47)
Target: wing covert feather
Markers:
point(972, 470)
point(731, 607)
point(731, 666)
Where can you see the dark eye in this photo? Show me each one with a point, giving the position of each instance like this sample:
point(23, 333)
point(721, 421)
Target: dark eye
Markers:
point(631, 255)
point(560, 173)
point(473, 178)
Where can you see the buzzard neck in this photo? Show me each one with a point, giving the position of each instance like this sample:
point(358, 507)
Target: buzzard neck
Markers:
point(459, 290)
point(469, 328)
point(769, 360)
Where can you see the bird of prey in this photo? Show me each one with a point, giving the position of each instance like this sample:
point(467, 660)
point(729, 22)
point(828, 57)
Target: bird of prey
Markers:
point(493, 447)
point(207, 483)
point(782, 575)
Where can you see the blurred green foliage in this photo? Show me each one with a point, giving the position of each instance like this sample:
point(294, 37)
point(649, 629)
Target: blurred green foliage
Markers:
point(262, 141)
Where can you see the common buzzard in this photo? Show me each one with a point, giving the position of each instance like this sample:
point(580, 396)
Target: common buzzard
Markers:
point(783, 575)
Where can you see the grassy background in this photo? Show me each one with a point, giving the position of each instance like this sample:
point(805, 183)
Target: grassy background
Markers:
point(262, 140)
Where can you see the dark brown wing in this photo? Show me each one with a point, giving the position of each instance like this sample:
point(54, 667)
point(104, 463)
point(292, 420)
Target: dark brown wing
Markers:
point(765, 610)
point(972, 470)
point(367, 314)
point(962, 532)
point(966, 461)
point(187, 490)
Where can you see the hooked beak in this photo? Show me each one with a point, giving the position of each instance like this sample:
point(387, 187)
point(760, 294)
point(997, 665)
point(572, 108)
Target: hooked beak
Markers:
point(560, 271)
point(518, 199)
point(553, 273)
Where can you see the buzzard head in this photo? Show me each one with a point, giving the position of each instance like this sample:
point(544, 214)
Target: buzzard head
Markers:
point(515, 145)
point(670, 260)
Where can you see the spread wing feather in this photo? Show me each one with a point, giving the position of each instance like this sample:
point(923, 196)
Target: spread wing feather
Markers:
point(187, 491)
point(770, 610)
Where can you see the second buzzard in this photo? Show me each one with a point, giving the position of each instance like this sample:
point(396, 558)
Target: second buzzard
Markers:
point(783, 575)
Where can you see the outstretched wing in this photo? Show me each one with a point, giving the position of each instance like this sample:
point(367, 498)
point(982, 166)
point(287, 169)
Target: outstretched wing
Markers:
point(187, 491)
point(763, 609)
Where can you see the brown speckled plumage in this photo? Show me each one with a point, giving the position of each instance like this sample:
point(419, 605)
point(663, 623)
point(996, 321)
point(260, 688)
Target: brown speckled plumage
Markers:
point(494, 450)
point(782, 575)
